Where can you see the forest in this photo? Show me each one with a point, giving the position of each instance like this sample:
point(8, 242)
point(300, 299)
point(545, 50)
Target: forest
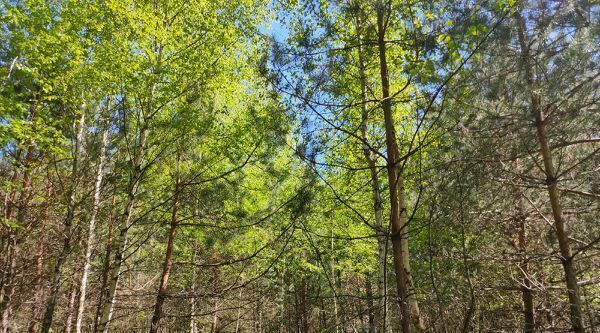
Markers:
point(300, 166)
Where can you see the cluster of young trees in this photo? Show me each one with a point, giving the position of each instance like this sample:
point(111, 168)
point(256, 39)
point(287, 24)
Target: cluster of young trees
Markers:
point(363, 166)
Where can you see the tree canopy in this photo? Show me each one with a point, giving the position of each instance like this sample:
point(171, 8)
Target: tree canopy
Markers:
point(299, 166)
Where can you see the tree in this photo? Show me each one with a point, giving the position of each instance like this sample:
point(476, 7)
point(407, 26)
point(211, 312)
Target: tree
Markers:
point(231, 165)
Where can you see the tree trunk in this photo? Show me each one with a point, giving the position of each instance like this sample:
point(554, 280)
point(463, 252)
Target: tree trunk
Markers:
point(521, 247)
point(470, 312)
point(370, 305)
point(68, 323)
point(11, 250)
point(135, 178)
point(120, 241)
point(106, 266)
point(567, 259)
point(381, 311)
point(193, 327)
point(114, 267)
point(527, 297)
point(38, 297)
point(303, 307)
point(398, 218)
point(91, 236)
point(8, 290)
point(8, 256)
point(66, 233)
point(215, 319)
point(284, 299)
point(239, 313)
point(168, 263)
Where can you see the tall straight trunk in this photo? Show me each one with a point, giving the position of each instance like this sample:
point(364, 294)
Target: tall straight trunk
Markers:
point(38, 297)
point(193, 326)
point(303, 307)
point(119, 244)
point(382, 285)
point(168, 263)
point(567, 259)
point(91, 236)
point(9, 250)
point(470, 313)
point(398, 219)
point(106, 264)
point(284, 301)
point(215, 319)
point(68, 323)
point(39, 268)
point(7, 291)
point(381, 313)
point(259, 310)
point(67, 228)
point(135, 178)
point(300, 302)
point(239, 313)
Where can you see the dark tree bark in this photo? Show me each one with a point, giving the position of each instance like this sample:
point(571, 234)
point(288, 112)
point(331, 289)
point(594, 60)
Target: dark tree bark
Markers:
point(537, 110)
point(168, 263)
point(11, 249)
point(66, 232)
